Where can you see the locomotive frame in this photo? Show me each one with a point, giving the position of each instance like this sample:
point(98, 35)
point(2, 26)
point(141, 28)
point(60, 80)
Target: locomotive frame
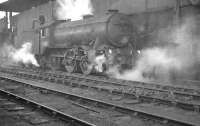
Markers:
point(145, 25)
point(84, 40)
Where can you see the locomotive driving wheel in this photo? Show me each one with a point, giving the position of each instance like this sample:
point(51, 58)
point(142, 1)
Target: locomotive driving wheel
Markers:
point(86, 67)
point(70, 61)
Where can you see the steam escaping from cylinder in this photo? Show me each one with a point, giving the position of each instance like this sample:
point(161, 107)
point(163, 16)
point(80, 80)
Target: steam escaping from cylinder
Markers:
point(99, 61)
point(96, 61)
point(153, 63)
point(73, 9)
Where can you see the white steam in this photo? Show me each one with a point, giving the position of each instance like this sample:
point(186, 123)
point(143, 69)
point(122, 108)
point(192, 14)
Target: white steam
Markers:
point(151, 62)
point(178, 57)
point(24, 55)
point(99, 61)
point(73, 9)
point(21, 55)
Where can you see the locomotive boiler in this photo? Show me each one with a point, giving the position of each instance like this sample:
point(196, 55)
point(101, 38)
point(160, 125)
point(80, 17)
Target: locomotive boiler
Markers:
point(81, 45)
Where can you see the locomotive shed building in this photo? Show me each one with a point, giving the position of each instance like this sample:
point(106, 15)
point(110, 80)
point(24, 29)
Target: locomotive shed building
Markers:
point(146, 14)
point(147, 17)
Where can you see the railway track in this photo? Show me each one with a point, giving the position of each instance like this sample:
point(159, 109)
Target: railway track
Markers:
point(13, 113)
point(32, 113)
point(134, 108)
point(185, 99)
point(94, 111)
point(188, 86)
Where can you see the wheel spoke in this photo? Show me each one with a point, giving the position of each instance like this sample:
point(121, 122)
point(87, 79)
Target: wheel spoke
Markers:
point(69, 61)
point(86, 67)
point(70, 66)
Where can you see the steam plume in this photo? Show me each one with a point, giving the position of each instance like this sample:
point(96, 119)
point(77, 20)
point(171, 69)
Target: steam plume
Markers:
point(179, 57)
point(99, 61)
point(24, 55)
point(151, 63)
point(21, 55)
point(73, 9)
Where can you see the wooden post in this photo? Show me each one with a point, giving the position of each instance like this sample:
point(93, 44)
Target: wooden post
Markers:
point(10, 18)
point(178, 14)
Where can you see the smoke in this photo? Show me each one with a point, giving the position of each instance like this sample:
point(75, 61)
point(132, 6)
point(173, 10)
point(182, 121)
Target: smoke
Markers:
point(73, 9)
point(22, 55)
point(178, 58)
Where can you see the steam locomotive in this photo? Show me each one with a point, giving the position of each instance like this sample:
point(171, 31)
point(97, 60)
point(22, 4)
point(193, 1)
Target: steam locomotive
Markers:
point(98, 43)
point(90, 45)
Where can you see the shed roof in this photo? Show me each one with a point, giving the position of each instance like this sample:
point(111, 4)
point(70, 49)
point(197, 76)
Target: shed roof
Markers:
point(20, 5)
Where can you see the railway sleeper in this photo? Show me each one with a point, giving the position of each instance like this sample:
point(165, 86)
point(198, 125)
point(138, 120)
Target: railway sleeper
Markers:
point(63, 116)
point(173, 102)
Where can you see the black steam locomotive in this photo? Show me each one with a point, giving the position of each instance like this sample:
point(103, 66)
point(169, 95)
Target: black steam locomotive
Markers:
point(90, 45)
point(98, 43)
